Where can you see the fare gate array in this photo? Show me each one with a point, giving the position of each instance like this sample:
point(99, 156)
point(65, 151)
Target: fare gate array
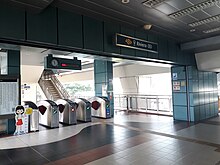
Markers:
point(33, 119)
point(100, 107)
point(67, 111)
point(49, 113)
point(83, 111)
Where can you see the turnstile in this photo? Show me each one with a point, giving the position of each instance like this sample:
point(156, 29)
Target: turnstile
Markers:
point(33, 119)
point(83, 112)
point(67, 111)
point(100, 107)
point(48, 113)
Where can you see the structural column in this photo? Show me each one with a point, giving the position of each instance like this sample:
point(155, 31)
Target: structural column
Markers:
point(103, 74)
point(195, 93)
point(13, 57)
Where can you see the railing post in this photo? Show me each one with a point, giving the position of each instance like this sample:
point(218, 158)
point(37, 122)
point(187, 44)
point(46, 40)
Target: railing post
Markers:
point(136, 100)
point(146, 104)
point(119, 101)
point(170, 105)
point(157, 103)
point(128, 103)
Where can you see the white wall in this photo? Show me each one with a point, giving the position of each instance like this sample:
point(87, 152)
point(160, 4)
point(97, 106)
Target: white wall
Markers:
point(135, 70)
point(127, 76)
point(30, 74)
point(118, 71)
point(208, 61)
point(78, 76)
point(29, 94)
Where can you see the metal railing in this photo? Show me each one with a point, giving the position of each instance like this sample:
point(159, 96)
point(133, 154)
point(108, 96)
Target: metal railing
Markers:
point(44, 88)
point(161, 104)
point(59, 87)
point(48, 75)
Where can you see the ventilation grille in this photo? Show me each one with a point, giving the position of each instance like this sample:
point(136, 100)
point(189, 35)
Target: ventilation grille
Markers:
point(194, 8)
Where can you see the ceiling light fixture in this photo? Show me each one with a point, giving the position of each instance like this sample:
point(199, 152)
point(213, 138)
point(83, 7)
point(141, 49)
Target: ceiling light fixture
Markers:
point(125, 1)
point(205, 21)
point(211, 30)
point(194, 8)
point(147, 27)
point(152, 3)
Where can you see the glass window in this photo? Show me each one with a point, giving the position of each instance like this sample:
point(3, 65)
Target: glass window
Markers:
point(3, 63)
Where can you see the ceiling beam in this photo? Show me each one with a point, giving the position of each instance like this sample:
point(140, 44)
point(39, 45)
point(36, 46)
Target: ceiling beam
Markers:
point(207, 44)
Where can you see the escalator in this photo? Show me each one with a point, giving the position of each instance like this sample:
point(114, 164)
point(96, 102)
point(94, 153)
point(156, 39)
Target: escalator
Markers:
point(51, 86)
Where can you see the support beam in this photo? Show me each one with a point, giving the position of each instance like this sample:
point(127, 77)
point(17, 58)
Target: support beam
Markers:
point(207, 44)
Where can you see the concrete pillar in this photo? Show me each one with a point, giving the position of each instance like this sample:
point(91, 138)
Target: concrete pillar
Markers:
point(195, 93)
point(13, 69)
point(103, 75)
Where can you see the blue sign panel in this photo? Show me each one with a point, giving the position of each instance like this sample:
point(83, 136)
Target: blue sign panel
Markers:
point(135, 43)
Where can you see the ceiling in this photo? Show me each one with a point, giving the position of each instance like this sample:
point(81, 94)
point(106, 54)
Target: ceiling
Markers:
point(136, 13)
point(196, 19)
point(35, 6)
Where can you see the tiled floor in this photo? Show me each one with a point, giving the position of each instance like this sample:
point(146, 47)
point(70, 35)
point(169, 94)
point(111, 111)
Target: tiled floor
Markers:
point(126, 139)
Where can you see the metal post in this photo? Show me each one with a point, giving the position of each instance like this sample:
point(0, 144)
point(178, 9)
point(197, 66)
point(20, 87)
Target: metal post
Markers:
point(136, 103)
point(169, 99)
point(187, 93)
point(157, 102)
point(127, 103)
point(119, 101)
point(146, 104)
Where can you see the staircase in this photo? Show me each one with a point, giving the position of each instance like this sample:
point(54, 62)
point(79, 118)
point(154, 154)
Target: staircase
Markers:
point(51, 86)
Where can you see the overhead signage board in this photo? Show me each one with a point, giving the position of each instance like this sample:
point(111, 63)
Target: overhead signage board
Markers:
point(62, 63)
point(135, 43)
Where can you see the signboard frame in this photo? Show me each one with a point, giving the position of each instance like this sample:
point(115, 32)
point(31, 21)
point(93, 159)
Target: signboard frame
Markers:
point(62, 63)
point(136, 40)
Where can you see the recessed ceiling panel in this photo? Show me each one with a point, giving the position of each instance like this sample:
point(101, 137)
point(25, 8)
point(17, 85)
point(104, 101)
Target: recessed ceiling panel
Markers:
point(187, 19)
point(203, 27)
point(196, 1)
point(166, 8)
point(214, 24)
point(180, 4)
point(200, 15)
point(213, 10)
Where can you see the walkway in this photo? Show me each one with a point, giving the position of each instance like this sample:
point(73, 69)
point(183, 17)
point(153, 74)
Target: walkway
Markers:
point(127, 139)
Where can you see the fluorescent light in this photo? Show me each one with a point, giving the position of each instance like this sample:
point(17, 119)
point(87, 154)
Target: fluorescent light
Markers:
point(147, 26)
point(211, 30)
point(194, 8)
point(205, 21)
point(125, 1)
point(152, 3)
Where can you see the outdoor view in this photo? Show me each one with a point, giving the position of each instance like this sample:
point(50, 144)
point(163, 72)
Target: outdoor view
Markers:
point(80, 89)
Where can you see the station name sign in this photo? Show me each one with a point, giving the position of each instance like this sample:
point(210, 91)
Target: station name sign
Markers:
point(135, 43)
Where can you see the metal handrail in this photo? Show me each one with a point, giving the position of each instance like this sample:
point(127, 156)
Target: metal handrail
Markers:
point(60, 87)
point(136, 102)
point(49, 75)
point(45, 89)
